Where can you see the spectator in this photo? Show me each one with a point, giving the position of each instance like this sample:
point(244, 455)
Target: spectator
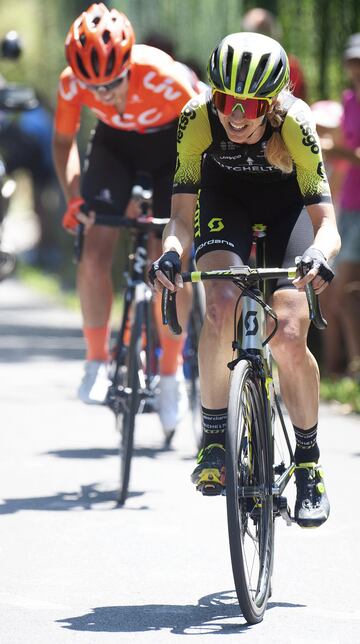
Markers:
point(348, 261)
point(25, 142)
point(264, 22)
point(328, 115)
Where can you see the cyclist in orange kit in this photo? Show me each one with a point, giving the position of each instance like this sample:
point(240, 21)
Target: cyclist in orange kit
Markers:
point(136, 93)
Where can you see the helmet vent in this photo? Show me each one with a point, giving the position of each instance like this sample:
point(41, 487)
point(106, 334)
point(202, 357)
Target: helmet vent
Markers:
point(81, 66)
point(106, 36)
point(273, 81)
point(110, 63)
point(83, 39)
point(259, 72)
point(227, 66)
point(96, 21)
point(242, 72)
point(95, 61)
point(278, 71)
point(126, 57)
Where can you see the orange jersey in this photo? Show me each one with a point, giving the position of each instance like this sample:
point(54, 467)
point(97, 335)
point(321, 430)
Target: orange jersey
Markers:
point(159, 87)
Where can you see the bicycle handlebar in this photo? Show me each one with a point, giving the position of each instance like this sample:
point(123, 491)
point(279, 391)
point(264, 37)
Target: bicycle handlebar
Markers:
point(143, 223)
point(244, 277)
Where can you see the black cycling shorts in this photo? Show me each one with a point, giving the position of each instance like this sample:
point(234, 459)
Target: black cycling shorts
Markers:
point(228, 207)
point(117, 160)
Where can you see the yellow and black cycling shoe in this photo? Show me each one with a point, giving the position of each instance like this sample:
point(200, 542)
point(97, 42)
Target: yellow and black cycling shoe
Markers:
point(209, 474)
point(312, 506)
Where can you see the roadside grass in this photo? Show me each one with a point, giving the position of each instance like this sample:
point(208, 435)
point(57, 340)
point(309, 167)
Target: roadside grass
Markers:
point(344, 390)
point(48, 285)
point(51, 286)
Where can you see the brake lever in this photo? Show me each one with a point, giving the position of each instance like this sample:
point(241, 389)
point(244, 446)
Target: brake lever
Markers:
point(315, 313)
point(168, 303)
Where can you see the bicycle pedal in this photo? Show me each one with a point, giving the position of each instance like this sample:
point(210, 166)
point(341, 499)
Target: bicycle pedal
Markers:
point(283, 510)
point(210, 489)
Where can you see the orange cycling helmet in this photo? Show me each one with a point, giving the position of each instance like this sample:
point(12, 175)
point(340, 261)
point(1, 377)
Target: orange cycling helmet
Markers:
point(98, 45)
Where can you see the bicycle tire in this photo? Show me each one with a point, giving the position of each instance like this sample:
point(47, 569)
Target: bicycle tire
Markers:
point(131, 403)
point(249, 516)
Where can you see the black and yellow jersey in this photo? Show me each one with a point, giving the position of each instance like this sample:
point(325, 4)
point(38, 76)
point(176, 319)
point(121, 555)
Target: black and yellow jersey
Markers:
point(202, 139)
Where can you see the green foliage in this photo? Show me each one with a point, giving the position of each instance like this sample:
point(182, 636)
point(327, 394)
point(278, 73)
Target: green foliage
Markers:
point(344, 390)
point(313, 30)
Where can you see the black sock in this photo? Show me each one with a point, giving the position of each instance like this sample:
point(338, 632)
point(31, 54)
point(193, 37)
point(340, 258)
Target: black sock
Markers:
point(307, 449)
point(214, 426)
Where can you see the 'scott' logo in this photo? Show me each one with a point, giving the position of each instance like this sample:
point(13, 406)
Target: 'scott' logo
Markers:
point(216, 224)
point(251, 323)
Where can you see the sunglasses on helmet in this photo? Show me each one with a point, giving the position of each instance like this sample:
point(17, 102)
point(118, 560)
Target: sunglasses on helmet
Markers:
point(251, 107)
point(109, 87)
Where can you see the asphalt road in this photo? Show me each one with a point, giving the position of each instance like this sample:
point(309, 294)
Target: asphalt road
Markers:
point(76, 569)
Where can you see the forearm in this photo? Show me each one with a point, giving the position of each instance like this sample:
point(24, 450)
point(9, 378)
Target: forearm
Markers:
point(327, 238)
point(178, 233)
point(177, 236)
point(67, 165)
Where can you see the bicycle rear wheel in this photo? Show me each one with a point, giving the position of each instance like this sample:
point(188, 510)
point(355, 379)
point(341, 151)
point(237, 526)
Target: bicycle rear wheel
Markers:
point(126, 420)
point(248, 493)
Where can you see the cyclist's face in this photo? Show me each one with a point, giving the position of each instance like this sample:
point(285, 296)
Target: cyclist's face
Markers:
point(112, 95)
point(240, 129)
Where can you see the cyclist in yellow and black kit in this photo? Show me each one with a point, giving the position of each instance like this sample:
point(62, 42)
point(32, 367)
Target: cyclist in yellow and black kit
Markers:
point(248, 152)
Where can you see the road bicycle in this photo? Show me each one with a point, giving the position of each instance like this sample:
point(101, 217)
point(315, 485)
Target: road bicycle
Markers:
point(133, 371)
point(259, 458)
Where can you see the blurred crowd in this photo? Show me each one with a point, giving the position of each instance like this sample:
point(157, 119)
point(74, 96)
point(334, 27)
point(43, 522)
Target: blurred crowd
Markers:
point(26, 139)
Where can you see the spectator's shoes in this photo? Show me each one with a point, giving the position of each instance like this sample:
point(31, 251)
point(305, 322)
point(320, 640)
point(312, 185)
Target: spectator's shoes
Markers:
point(173, 403)
point(95, 383)
point(209, 475)
point(312, 506)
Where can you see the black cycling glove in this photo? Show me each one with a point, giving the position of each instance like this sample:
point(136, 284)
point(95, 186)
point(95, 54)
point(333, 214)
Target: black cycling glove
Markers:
point(168, 262)
point(314, 258)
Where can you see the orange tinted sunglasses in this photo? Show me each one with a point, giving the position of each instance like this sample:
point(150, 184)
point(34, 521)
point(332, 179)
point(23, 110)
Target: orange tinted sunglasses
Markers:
point(251, 107)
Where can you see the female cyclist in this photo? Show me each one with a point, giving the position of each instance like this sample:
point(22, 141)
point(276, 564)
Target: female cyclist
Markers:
point(248, 153)
point(136, 92)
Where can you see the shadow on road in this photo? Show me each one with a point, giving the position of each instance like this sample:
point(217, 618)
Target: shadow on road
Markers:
point(207, 616)
point(87, 498)
point(84, 453)
point(98, 452)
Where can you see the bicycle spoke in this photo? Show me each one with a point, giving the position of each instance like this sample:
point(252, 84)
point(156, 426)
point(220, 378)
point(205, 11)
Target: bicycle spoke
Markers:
point(249, 504)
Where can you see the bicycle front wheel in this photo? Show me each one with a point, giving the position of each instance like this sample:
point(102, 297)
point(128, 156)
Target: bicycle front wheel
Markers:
point(248, 492)
point(131, 402)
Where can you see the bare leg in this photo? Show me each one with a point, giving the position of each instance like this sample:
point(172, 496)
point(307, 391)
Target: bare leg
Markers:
point(94, 276)
point(298, 369)
point(217, 333)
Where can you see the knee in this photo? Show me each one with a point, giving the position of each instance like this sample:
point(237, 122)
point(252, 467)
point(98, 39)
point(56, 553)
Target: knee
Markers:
point(95, 262)
point(289, 344)
point(219, 307)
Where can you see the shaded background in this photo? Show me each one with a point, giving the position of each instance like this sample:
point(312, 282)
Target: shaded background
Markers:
point(313, 30)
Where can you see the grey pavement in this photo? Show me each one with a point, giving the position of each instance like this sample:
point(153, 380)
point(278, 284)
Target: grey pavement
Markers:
point(76, 569)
